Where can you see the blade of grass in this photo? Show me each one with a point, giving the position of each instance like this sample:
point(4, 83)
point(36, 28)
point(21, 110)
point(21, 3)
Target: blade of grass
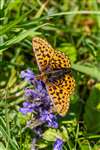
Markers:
point(91, 71)
point(6, 137)
point(7, 27)
point(76, 12)
point(20, 37)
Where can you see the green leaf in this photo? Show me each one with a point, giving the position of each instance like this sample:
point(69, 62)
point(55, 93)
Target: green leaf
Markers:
point(85, 146)
point(69, 50)
point(51, 134)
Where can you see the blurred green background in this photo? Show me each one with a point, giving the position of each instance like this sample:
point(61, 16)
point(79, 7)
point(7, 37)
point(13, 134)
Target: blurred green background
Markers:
point(72, 27)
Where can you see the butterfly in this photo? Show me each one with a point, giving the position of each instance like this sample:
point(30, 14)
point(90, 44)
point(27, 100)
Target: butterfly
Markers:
point(56, 68)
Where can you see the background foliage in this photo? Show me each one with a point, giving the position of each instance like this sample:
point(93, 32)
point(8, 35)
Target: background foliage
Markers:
point(74, 28)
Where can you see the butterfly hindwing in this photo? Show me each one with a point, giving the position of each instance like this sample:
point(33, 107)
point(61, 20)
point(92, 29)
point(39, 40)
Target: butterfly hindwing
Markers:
point(60, 91)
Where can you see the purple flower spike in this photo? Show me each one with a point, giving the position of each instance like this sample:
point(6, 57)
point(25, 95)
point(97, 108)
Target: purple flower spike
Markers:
point(58, 144)
point(38, 103)
point(28, 75)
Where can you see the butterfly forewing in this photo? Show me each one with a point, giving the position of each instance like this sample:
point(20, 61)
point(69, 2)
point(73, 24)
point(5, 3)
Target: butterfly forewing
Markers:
point(43, 52)
point(59, 61)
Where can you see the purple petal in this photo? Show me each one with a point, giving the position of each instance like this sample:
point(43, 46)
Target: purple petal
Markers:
point(47, 103)
point(53, 124)
point(39, 85)
point(26, 104)
point(27, 107)
point(48, 117)
point(58, 144)
point(31, 93)
point(24, 111)
point(28, 75)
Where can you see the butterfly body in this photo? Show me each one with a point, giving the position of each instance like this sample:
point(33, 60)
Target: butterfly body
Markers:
point(55, 69)
point(57, 74)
